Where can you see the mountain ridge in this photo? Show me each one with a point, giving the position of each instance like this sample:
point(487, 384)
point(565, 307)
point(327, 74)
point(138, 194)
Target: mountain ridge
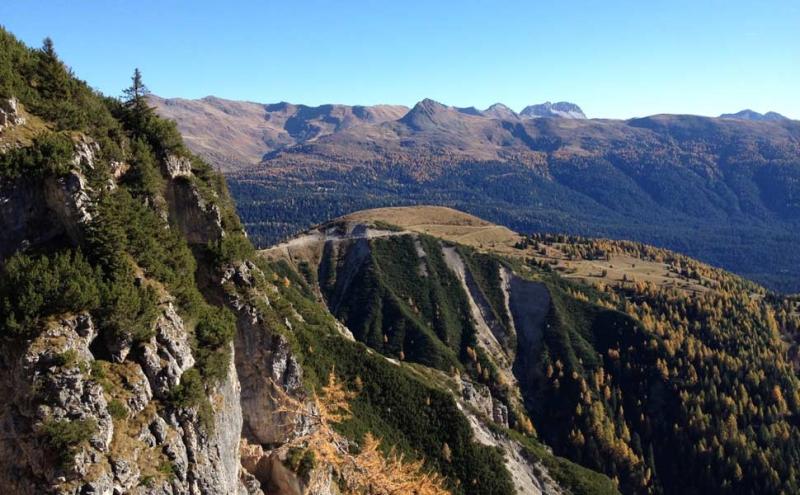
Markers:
point(748, 114)
point(549, 314)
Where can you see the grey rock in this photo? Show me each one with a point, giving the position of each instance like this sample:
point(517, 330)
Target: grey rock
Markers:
point(140, 392)
point(177, 166)
point(158, 428)
point(40, 388)
point(33, 213)
point(85, 152)
point(199, 220)
point(477, 396)
point(167, 354)
point(214, 461)
point(499, 413)
point(249, 484)
point(562, 109)
point(126, 475)
point(9, 113)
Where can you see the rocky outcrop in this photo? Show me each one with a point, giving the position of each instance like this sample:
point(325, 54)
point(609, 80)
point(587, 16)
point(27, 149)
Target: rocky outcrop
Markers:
point(265, 364)
point(56, 380)
point(68, 199)
point(167, 354)
point(9, 113)
point(47, 386)
point(177, 166)
point(25, 218)
point(561, 109)
point(36, 212)
point(213, 453)
point(198, 219)
point(530, 477)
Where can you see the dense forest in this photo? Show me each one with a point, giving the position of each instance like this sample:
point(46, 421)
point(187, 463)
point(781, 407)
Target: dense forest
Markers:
point(663, 389)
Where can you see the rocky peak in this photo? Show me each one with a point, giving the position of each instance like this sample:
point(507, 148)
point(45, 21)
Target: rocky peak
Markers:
point(562, 109)
point(500, 111)
point(426, 114)
point(748, 114)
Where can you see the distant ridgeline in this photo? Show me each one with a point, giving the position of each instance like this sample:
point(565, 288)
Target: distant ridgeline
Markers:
point(724, 190)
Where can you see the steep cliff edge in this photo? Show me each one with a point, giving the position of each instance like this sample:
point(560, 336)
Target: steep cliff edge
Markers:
point(119, 374)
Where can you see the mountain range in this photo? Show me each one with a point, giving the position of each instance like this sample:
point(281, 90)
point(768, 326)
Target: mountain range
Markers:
point(147, 348)
point(724, 190)
point(235, 134)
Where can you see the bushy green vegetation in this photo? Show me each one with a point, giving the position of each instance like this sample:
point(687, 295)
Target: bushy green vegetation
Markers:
point(484, 270)
point(623, 377)
point(393, 403)
point(129, 260)
point(64, 437)
point(402, 304)
point(49, 90)
point(32, 287)
point(213, 334)
point(50, 154)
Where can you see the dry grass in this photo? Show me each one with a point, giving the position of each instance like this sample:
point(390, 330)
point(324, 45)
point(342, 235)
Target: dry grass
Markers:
point(455, 226)
point(462, 228)
point(22, 135)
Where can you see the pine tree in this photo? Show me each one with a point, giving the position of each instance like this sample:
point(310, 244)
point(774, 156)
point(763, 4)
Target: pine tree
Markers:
point(48, 48)
point(135, 94)
point(134, 99)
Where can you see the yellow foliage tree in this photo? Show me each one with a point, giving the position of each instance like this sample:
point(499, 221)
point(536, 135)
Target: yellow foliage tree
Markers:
point(368, 471)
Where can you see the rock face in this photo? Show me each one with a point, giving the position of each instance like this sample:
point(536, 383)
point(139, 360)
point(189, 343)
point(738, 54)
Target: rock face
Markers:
point(9, 113)
point(500, 111)
point(562, 109)
point(68, 199)
point(167, 355)
point(45, 386)
point(177, 166)
point(264, 364)
point(199, 220)
point(33, 213)
point(55, 379)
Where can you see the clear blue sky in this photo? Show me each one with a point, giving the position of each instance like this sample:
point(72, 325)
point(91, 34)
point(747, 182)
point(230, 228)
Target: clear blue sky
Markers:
point(614, 58)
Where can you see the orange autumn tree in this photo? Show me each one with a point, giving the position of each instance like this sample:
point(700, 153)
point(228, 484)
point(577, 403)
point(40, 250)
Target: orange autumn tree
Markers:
point(368, 471)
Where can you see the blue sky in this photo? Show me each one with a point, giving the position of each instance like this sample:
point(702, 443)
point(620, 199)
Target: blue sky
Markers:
point(615, 58)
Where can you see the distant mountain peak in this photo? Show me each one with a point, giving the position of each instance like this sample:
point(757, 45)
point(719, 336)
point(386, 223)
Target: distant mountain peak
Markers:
point(748, 114)
point(500, 111)
point(427, 114)
point(562, 109)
